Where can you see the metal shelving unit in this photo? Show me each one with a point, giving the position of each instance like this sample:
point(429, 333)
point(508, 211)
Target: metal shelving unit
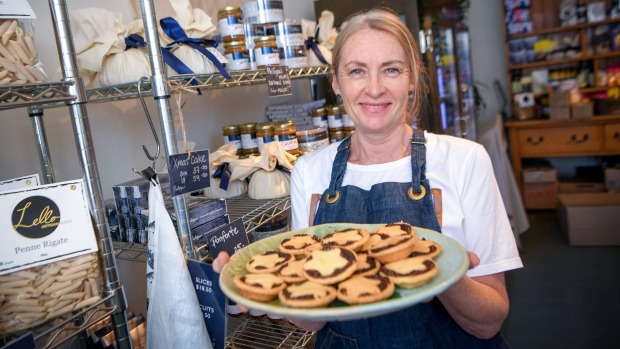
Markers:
point(71, 92)
point(250, 332)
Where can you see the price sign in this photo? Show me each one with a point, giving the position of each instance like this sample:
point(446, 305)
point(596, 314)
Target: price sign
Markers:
point(230, 238)
point(189, 173)
point(211, 299)
point(278, 81)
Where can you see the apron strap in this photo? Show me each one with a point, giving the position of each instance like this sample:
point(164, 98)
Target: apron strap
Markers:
point(339, 167)
point(418, 160)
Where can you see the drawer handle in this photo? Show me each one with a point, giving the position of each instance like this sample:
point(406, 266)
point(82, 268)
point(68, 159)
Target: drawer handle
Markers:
point(533, 142)
point(583, 138)
point(617, 136)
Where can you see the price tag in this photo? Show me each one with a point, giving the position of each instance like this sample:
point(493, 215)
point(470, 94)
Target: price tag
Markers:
point(278, 81)
point(212, 300)
point(19, 183)
point(189, 173)
point(230, 238)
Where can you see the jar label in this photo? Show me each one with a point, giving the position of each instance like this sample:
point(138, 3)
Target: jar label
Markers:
point(231, 26)
point(319, 121)
point(263, 11)
point(289, 142)
point(234, 140)
point(346, 121)
point(334, 121)
point(266, 56)
point(238, 61)
point(263, 140)
point(291, 39)
point(248, 141)
point(315, 145)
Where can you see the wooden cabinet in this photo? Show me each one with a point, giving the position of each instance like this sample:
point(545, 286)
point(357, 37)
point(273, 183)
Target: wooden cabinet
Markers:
point(558, 138)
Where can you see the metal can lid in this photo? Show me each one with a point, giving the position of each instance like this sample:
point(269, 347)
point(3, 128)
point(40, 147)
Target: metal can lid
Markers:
point(265, 38)
point(234, 44)
point(318, 111)
point(248, 126)
point(229, 9)
point(230, 128)
point(333, 109)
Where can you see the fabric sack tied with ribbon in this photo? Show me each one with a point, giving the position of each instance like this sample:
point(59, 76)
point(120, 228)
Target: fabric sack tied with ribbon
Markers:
point(186, 47)
point(222, 161)
point(115, 53)
point(269, 173)
point(320, 38)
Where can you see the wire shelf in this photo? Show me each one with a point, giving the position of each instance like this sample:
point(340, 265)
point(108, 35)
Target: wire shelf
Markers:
point(130, 251)
point(16, 96)
point(199, 81)
point(261, 332)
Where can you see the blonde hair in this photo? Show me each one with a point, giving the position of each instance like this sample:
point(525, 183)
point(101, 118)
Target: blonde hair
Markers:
point(387, 21)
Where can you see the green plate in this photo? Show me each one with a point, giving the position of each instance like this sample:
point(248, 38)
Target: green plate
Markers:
point(453, 262)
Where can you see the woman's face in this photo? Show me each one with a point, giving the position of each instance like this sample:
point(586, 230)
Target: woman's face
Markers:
point(374, 80)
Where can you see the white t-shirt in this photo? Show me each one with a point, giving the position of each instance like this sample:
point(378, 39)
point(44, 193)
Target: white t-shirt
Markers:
point(473, 211)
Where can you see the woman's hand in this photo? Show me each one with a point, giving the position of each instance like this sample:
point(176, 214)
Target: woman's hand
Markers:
point(218, 264)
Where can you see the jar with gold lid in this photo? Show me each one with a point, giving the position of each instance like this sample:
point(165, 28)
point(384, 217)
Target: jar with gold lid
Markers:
point(347, 122)
point(230, 23)
point(266, 51)
point(248, 138)
point(334, 118)
point(319, 117)
point(336, 136)
point(232, 136)
point(265, 133)
point(237, 55)
point(287, 136)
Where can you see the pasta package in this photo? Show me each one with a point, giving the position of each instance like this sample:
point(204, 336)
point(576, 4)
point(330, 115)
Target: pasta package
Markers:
point(36, 295)
point(19, 63)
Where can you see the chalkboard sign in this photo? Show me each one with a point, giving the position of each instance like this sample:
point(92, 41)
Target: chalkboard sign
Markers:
point(230, 238)
point(278, 81)
point(24, 342)
point(211, 299)
point(189, 173)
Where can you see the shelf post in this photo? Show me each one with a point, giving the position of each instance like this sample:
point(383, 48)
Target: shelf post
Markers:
point(161, 94)
point(36, 115)
point(86, 153)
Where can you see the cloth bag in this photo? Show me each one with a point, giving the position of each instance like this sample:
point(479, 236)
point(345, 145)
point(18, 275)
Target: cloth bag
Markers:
point(197, 25)
point(114, 52)
point(269, 173)
point(320, 44)
point(226, 154)
point(174, 316)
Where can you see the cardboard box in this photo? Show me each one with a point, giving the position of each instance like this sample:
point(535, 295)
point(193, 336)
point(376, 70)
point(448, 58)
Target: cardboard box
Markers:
point(590, 219)
point(559, 99)
point(559, 113)
point(539, 175)
point(540, 195)
point(571, 187)
point(612, 179)
point(582, 110)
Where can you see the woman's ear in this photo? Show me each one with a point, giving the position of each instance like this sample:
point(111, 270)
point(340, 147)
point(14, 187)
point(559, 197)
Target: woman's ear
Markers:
point(335, 85)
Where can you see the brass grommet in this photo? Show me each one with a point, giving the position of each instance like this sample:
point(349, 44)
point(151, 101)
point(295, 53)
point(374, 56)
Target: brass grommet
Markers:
point(417, 197)
point(331, 199)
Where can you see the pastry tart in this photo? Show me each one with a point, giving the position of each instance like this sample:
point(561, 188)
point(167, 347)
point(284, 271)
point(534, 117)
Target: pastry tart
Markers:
point(268, 262)
point(410, 272)
point(307, 295)
point(297, 244)
point(366, 265)
point(330, 265)
point(364, 289)
point(353, 239)
point(426, 248)
point(393, 248)
point(293, 271)
point(259, 287)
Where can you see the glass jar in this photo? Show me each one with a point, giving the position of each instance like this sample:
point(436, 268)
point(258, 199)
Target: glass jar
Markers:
point(336, 136)
point(230, 22)
point(276, 225)
point(287, 136)
point(237, 55)
point(232, 136)
point(334, 118)
point(248, 138)
point(347, 122)
point(263, 11)
point(266, 51)
point(312, 138)
point(319, 117)
point(265, 133)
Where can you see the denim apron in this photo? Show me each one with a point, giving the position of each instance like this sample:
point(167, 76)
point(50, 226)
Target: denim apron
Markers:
point(426, 325)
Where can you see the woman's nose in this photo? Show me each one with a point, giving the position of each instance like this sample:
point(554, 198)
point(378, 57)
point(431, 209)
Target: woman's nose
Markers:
point(374, 85)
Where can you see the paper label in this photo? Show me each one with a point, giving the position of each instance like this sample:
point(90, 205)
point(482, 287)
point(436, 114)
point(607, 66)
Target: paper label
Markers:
point(30, 181)
point(43, 225)
point(19, 9)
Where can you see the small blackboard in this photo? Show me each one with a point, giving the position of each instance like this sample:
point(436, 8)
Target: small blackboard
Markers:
point(278, 81)
point(230, 238)
point(24, 342)
point(211, 299)
point(189, 173)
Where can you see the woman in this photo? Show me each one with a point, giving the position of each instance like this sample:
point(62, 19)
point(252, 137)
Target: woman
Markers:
point(387, 172)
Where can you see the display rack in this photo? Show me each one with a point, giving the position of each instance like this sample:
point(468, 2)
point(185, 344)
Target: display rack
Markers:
point(250, 332)
point(71, 92)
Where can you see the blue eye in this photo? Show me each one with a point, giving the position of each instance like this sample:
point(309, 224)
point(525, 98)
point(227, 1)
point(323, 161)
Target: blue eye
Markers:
point(356, 71)
point(392, 71)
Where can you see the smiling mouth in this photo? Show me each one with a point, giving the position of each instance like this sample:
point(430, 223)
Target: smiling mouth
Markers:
point(375, 106)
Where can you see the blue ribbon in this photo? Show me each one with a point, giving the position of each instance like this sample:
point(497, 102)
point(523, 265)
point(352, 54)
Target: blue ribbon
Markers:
point(134, 41)
point(282, 168)
point(174, 31)
point(223, 172)
point(312, 43)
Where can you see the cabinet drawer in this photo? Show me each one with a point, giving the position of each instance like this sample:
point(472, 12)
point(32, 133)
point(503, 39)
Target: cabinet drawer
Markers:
point(612, 137)
point(560, 141)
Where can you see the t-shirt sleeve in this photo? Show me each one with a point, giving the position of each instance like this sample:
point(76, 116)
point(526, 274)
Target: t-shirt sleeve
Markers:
point(486, 226)
point(300, 201)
